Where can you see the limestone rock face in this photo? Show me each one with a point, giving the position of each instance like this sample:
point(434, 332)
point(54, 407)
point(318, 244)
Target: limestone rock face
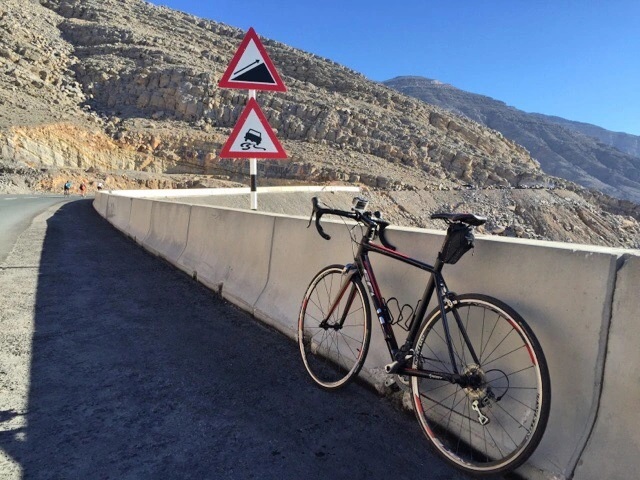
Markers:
point(97, 88)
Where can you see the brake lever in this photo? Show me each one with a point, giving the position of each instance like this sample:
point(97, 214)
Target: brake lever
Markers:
point(314, 202)
point(383, 224)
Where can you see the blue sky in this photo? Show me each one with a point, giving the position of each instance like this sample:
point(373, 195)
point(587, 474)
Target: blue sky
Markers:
point(576, 59)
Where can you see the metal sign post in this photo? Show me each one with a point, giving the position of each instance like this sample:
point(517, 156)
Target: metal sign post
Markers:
point(253, 171)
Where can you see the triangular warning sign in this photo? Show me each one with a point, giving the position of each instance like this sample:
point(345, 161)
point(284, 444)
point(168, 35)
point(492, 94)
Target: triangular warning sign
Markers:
point(251, 67)
point(252, 136)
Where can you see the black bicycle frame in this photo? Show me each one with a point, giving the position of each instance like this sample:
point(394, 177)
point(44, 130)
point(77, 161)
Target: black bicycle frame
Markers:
point(436, 283)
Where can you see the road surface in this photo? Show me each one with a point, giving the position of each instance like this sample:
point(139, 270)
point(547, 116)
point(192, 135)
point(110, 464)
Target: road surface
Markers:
point(114, 365)
point(16, 213)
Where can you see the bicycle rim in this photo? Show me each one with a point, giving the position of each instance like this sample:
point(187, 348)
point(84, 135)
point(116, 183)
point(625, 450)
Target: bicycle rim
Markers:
point(334, 347)
point(494, 424)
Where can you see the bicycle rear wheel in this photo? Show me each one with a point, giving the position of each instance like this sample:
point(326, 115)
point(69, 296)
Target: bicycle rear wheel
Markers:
point(495, 420)
point(334, 342)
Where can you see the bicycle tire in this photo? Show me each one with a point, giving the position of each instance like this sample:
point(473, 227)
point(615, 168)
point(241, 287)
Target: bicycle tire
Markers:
point(511, 376)
point(333, 355)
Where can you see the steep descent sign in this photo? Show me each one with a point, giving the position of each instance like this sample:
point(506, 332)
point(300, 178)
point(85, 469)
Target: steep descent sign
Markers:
point(251, 68)
point(252, 136)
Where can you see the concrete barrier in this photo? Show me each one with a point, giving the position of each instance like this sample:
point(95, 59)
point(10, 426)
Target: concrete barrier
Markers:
point(229, 251)
point(139, 219)
point(100, 203)
point(613, 446)
point(168, 231)
point(118, 211)
point(568, 294)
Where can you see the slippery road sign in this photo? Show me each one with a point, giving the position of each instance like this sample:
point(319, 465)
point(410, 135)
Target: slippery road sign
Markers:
point(251, 68)
point(252, 136)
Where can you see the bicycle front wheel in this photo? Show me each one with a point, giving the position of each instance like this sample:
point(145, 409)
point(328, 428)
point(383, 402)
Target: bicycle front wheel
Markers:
point(494, 418)
point(334, 327)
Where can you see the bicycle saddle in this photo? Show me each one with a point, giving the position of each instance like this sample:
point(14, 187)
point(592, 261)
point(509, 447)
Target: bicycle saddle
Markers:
point(468, 218)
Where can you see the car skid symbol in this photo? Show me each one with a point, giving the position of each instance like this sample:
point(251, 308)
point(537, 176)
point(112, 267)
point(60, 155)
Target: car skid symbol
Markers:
point(252, 139)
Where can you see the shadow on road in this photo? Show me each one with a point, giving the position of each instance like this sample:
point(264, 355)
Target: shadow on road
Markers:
point(139, 372)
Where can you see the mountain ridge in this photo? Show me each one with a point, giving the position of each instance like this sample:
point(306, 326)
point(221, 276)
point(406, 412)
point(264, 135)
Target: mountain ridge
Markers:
point(564, 148)
point(623, 141)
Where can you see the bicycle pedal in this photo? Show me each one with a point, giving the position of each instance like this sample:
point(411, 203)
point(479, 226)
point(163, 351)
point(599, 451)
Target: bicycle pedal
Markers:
point(391, 384)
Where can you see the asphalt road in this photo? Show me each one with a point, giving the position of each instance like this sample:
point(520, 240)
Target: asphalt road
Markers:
point(16, 213)
point(113, 365)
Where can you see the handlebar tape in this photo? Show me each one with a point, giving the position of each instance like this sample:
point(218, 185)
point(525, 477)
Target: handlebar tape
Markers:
point(382, 237)
point(326, 236)
point(318, 211)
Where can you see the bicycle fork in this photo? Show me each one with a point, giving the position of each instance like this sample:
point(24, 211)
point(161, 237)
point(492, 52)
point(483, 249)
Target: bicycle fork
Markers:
point(347, 274)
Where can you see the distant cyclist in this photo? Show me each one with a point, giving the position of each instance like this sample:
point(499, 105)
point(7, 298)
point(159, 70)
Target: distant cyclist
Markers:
point(83, 189)
point(67, 187)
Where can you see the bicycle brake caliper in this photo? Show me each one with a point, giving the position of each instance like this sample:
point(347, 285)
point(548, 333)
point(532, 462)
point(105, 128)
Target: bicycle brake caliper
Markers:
point(348, 268)
point(450, 298)
point(482, 418)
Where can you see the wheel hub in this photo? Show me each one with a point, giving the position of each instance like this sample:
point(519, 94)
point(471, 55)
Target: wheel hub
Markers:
point(326, 325)
point(476, 382)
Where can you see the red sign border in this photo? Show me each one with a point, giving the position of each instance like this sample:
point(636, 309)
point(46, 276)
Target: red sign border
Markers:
point(252, 105)
point(226, 82)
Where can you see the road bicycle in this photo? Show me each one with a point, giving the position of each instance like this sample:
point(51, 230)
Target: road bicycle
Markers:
point(479, 380)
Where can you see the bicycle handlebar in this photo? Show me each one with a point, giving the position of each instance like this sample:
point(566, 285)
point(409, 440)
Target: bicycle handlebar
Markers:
point(319, 211)
point(378, 224)
point(384, 224)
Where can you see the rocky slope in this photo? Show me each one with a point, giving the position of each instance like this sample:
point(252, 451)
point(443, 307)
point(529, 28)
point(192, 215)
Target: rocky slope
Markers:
point(624, 142)
point(124, 92)
point(570, 150)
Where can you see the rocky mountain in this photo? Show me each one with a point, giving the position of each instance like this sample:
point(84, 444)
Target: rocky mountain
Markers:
point(124, 92)
point(578, 152)
point(625, 142)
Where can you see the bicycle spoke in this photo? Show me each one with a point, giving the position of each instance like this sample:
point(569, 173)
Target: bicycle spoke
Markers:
point(444, 341)
point(528, 407)
point(497, 420)
point(512, 417)
point(504, 355)
point(454, 405)
point(519, 371)
point(436, 402)
point(489, 338)
point(495, 443)
point(440, 361)
point(498, 346)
